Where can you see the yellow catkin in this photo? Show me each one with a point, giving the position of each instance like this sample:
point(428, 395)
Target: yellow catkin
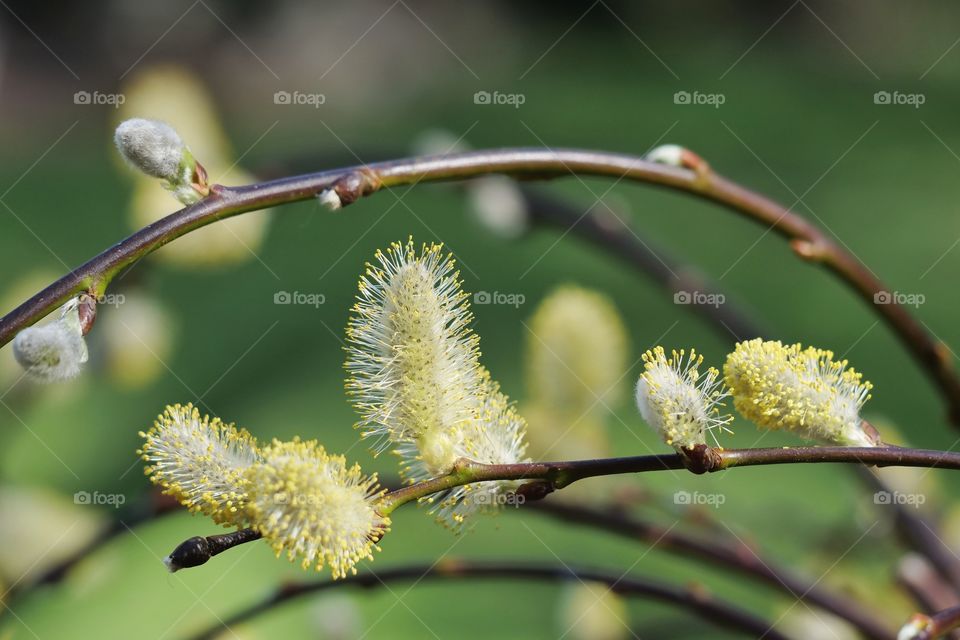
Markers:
point(313, 507)
point(415, 377)
point(678, 401)
point(803, 390)
point(201, 461)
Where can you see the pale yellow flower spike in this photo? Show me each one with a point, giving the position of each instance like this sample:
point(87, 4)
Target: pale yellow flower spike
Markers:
point(201, 462)
point(311, 505)
point(680, 403)
point(415, 376)
point(413, 361)
point(576, 353)
point(801, 390)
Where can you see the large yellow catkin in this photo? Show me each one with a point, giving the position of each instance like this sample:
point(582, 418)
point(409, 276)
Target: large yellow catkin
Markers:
point(313, 507)
point(201, 461)
point(415, 377)
point(803, 390)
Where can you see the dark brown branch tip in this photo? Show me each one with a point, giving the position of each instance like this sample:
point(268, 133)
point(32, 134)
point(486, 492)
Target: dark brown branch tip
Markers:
point(189, 553)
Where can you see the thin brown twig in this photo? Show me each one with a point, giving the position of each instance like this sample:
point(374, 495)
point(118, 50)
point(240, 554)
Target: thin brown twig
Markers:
point(918, 534)
point(547, 477)
point(695, 599)
point(739, 558)
point(807, 241)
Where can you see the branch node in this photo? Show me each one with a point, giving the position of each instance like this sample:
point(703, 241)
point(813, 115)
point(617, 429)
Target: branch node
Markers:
point(536, 490)
point(354, 185)
point(809, 250)
point(701, 459)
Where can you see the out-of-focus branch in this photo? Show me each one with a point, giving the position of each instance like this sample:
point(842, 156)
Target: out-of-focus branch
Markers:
point(739, 558)
point(696, 600)
point(616, 236)
point(919, 535)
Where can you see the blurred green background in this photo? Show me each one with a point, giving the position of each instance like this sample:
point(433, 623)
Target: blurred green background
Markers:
point(799, 122)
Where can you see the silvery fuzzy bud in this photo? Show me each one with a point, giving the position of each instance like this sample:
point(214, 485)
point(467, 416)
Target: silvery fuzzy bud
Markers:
point(157, 150)
point(670, 154)
point(54, 351)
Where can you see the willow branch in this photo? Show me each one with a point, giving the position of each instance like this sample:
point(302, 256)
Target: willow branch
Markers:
point(738, 558)
point(694, 599)
point(550, 476)
point(921, 580)
point(557, 475)
point(920, 535)
point(352, 183)
point(617, 237)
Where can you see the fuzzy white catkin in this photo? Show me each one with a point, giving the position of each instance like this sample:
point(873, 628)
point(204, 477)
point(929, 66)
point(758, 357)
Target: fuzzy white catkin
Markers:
point(54, 351)
point(151, 146)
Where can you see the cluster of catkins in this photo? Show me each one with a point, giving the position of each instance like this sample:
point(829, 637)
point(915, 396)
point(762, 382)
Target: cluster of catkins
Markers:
point(416, 381)
point(777, 386)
